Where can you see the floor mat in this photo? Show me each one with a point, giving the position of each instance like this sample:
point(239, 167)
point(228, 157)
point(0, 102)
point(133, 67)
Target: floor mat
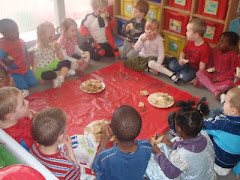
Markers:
point(122, 88)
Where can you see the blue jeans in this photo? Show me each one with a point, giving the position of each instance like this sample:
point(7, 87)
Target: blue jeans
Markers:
point(24, 81)
point(185, 72)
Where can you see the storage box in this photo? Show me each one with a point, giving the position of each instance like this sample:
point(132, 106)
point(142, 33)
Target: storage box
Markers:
point(154, 12)
point(181, 4)
point(213, 8)
point(127, 8)
point(173, 45)
point(176, 22)
point(213, 32)
point(120, 23)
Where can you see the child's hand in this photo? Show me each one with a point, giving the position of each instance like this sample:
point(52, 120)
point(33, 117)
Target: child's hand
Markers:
point(107, 132)
point(31, 113)
point(167, 141)
point(144, 37)
point(56, 46)
point(129, 27)
point(155, 149)
point(154, 72)
point(68, 142)
point(80, 61)
point(183, 61)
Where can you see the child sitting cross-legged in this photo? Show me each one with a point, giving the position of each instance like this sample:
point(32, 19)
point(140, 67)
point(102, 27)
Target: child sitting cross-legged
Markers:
point(190, 155)
point(224, 60)
point(48, 58)
point(128, 158)
point(223, 127)
point(15, 117)
point(151, 52)
point(49, 130)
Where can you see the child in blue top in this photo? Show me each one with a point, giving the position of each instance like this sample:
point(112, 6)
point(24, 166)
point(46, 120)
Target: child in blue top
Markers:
point(223, 126)
point(128, 158)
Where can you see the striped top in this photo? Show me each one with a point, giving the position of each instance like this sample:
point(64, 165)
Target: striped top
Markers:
point(59, 164)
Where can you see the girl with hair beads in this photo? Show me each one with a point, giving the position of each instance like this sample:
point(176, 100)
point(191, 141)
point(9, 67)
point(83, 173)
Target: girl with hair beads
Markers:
point(13, 53)
point(48, 58)
point(191, 153)
point(69, 46)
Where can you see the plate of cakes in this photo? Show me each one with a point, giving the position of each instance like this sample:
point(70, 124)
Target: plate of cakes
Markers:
point(92, 86)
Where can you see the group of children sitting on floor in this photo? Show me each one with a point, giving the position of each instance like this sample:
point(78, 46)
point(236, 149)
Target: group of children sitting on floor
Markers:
point(204, 144)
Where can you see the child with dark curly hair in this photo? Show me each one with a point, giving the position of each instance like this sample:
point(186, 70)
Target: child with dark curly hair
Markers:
point(192, 153)
point(128, 158)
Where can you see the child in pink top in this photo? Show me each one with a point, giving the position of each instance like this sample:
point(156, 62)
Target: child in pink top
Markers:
point(224, 60)
point(69, 46)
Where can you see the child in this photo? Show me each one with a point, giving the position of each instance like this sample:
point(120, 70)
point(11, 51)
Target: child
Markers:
point(150, 45)
point(69, 46)
point(14, 110)
point(195, 54)
point(224, 129)
point(97, 27)
point(192, 154)
point(13, 51)
point(133, 29)
point(224, 60)
point(49, 130)
point(48, 58)
point(127, 159)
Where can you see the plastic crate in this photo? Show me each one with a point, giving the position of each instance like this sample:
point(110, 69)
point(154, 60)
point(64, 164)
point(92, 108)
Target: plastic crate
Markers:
point(213, 8)
point(213, 32)
point(127, 8)
point(120, 23)
point(176, 22)
point(154, 12)
point(181, 4)
point(173, 45)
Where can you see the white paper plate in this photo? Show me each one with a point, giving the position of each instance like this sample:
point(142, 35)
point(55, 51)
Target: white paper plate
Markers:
point(81, 87)
point(158, 100)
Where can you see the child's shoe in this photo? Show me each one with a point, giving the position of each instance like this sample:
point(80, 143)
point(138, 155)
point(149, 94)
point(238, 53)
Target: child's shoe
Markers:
point(71, 72)
point(175, 78)
point(57, 83)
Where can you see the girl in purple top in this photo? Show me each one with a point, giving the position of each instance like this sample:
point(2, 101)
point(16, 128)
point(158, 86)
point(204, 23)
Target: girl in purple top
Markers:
point(192, 154)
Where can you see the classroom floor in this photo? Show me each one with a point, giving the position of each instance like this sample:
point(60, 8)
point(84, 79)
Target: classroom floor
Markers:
point(197, 92)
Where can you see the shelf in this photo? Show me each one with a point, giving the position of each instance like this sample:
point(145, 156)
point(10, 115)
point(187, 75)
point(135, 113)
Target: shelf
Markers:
point(174, 34)
point(123, 17)
point(177, 10)
point(209, 18)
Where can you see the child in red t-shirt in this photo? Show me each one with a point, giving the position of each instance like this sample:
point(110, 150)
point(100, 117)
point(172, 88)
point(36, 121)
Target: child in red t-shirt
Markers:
point(224, 60)
point(14, 112)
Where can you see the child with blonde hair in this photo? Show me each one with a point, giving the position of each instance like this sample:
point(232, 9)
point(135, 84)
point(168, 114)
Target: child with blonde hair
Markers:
point(223, 127)
point(69, 46)
point(133, 29)
point(49, 130)
point(151, 52)
point(47, 56)
point(13, 53)
point(195, 55)
point(15, 116)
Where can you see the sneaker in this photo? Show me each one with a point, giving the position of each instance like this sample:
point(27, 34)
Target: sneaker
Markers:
point(57, 83)
point(71, 72)
point(222, 98)
point(25, 93)
point(221, 171)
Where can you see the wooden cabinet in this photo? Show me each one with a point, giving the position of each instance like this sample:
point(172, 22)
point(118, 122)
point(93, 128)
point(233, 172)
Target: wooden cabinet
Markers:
point(175, 14)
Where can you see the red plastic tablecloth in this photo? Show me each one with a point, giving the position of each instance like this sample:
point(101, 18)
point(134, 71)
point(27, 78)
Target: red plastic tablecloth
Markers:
point(122, 88)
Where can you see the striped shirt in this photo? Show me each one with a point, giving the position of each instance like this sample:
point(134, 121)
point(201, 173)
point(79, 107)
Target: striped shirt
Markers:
point(59, 164)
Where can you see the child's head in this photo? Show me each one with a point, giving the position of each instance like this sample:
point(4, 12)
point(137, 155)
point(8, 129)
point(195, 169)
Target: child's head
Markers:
point(126, 123)
point(45, 32)
point(231, 106)
point(228, 40)
point(12, 104)
point(4, 76)
point(140, 9)
point(99, 6)
point(189, 120)
point(151, 28)
point(9, 29)
point(69, 28)
point(49, 126)
point(195, 28)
